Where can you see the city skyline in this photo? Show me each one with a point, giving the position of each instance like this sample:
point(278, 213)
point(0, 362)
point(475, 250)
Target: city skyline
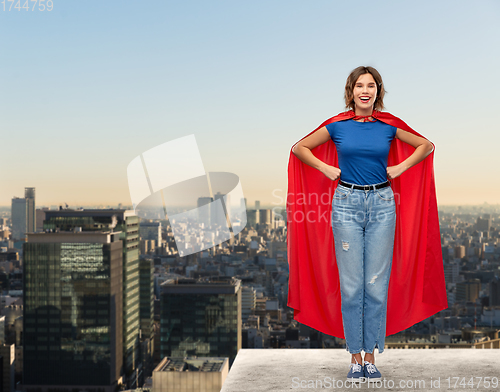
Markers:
point(112, 80)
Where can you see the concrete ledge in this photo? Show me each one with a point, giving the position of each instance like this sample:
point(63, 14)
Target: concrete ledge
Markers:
point(402, 370)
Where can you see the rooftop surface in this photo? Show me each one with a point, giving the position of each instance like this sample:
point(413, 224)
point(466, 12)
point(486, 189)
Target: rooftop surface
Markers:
point(402, 370)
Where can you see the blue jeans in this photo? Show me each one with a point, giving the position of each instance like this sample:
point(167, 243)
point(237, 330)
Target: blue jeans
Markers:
point(364, 223)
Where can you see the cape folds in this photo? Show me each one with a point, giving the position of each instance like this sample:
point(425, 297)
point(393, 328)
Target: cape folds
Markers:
point(417, 287)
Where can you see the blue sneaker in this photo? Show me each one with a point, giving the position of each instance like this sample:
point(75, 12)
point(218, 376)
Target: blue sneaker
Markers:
point(356, 373)
point(371, 372)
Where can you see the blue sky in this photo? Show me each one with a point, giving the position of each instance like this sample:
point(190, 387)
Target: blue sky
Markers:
point(90, 85)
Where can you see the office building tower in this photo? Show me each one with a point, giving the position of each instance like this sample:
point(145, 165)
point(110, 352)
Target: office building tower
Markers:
point(248, 301)
point(266, 218)
point(451, 272)
point(72, 318)
point(18, 213)
point(205, 215)
point(201, 317)
point(150, 231)
point(7, 368)
point(23, 214)
point(222, 219)
point(29, 195)
point(127, 223)
point(484, 223)
point(147, 299)
point(468, 290)
point(252, 218)
point(459, 252)
point(257, 205)
point(2, 330)
point(494, 287)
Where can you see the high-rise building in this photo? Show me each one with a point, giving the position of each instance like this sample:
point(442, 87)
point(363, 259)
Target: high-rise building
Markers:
point(468, 290)
point(23, 214)
point(29, 195)
point(205, 215)
point(201, 317)
point(146, 269)
point(494, 287)
point(459, 252)
point(18, 214)
point(451, 272)
point(7, 367)
point(484, 223)
point(221, 219)
point(72, 317)
point(150, 231)
point(248, 301)
point(127, 223)
point(266, 218)
point(252, 218)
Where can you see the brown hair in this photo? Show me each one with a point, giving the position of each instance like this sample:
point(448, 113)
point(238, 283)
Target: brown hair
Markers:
point(351, 81)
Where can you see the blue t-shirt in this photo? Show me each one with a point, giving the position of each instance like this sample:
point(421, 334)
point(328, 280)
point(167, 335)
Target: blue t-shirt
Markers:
point(363, 148)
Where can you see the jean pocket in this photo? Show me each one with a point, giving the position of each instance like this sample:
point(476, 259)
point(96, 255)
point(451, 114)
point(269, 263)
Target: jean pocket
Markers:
point(340, 194)
point(385, 194)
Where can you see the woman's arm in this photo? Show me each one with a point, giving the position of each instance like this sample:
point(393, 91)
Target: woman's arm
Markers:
point(422, 149)
point(302, 150)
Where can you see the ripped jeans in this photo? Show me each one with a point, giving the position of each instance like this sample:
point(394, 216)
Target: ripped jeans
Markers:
point(363, 224)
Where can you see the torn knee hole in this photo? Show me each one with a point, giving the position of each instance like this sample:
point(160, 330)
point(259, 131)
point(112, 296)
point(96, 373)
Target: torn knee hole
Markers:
point(373, 279)
point(345, 245)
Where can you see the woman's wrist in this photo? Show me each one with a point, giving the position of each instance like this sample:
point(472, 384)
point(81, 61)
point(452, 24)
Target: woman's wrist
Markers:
point(321, 166)
point(403, 167)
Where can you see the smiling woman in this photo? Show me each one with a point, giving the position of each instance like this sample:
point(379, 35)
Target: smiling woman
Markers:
point(377, 216)
point(364, 91)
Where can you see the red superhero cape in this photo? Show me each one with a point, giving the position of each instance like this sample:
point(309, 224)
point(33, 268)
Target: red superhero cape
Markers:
point(417, 287)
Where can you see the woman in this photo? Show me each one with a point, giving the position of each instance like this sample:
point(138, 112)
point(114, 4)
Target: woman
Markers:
point(364, 210)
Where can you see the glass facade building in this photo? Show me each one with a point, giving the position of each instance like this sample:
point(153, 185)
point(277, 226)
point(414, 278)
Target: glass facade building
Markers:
point(201, 317)
point(147, 298)
point(73, 299)
point(127, 223)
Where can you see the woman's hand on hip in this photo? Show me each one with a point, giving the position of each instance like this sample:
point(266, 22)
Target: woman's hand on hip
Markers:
point(394, 171)
point(331, 172)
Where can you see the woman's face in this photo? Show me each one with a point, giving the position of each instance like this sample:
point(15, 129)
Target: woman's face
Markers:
point(365, 92)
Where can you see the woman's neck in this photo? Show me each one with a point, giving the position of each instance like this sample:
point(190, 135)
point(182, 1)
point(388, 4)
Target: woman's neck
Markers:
point(367, 113)
point(363, 112)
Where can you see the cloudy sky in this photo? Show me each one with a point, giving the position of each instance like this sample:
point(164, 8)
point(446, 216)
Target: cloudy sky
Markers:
point(88, 86)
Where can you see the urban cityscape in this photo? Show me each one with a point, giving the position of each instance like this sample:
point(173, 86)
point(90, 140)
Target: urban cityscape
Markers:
point(98, 299)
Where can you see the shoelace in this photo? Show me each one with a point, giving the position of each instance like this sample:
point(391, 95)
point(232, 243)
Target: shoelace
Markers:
point(356, 367)
point(370, 367)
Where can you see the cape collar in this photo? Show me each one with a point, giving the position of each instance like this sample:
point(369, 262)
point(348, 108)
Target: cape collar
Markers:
point(365, 118)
